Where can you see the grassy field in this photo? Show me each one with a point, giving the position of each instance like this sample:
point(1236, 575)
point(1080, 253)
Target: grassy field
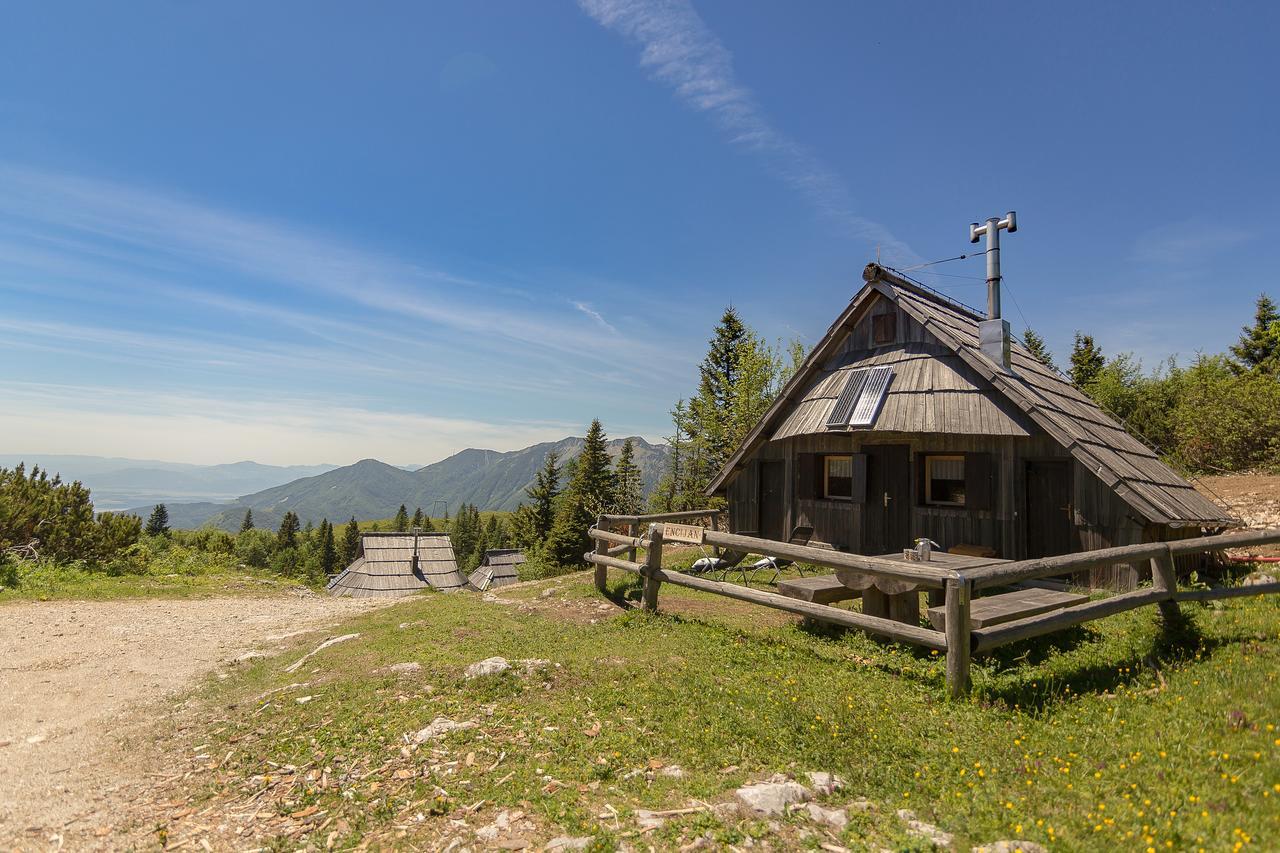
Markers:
point(1116, 735)
point(48, 582)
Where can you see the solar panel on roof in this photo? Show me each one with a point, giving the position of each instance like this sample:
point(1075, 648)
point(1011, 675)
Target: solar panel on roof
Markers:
point(872, 396)
point(860, 400)
point(847, 400)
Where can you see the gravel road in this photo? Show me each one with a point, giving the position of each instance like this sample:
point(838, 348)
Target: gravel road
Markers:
point(83, 682)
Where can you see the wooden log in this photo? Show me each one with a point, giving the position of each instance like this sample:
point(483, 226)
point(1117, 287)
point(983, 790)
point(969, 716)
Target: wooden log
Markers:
point(633, 529)
point(985, 639)
point(602, 571)
point(614, 538)
point(605, 561)
point(1223, 540)
point(824, 613)
point(687, 515)
point(919, 574)
point(958, 637)
point(652, 569)
point(1164, 578)
point(621, 549)
point(1227, 592)
point(1002, 574)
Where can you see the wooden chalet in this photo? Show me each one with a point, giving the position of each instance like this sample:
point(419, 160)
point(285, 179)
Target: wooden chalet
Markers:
point(396, 564)
point(498, 567)
point(915, 416)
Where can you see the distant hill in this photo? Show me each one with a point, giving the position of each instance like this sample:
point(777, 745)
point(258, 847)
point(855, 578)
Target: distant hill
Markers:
point(117, 483)
point(371, 489)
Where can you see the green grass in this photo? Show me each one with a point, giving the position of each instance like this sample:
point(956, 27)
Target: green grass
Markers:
point(1120, 734)
point(47, 582)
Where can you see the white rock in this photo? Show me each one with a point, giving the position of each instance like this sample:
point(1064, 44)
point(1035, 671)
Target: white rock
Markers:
point(564, 842)
point(927, 831)
point(646, 819)
point(488, 666)
point(441, 726)
point(862, 804)
point(672, 772)
point(407, 668)
point(772, 797)
point(247, 656)
point(500, 824)
point(1011, 847)
point(302, 700)
point(825, 784)
point(834, 818)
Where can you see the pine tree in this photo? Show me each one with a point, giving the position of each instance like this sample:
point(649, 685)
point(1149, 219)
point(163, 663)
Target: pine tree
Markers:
point(589, 492)
point(626, 474)
point(287, 535)
point(247, 523)
point(328, 550)
point(543, 494)
point(417, 517)
point(401, 523)
point(1087, 361)
point(465, 535)
point(1258, 350)
point(1036, 346)
point(350, 542)
point(158, 522)
point(427, 526)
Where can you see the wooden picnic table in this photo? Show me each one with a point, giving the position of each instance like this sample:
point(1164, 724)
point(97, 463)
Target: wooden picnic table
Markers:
point(899, 600)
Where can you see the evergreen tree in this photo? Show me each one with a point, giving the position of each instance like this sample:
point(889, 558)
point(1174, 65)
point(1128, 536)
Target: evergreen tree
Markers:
point(287, 535)
point(427, 526)
point(1036, 346)
point(465, 535)
point(630, 487)
point(1259, 347)
point(350, 542)
point(589, 492)
point(247, 523)
point(158, 522)
point(401, 522)
point(328, 550)
point(543, 494)
point(418, 518)
point(1087, 361)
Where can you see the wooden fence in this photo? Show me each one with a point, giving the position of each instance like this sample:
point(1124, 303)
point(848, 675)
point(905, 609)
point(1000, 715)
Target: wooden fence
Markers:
point(958, 640)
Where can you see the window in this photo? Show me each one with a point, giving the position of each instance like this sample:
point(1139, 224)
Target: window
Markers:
point(944, 480)
point(884, 329)
point(837, 479)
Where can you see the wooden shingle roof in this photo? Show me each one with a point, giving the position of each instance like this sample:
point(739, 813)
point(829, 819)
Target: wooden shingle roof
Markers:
point(387, 567)
point(995, 402)
point(498, 567)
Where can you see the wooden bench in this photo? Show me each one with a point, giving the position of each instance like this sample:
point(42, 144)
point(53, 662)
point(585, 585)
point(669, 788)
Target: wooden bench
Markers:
point(820, 589)
point(1006, 607)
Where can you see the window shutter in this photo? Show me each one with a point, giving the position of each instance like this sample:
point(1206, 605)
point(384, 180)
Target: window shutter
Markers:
point(979, 481)
point(860, 478)
point(808, 463)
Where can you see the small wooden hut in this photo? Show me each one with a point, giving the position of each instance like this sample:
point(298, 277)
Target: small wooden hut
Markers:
point(498, 567)
point(916, 416)
point(395, 564)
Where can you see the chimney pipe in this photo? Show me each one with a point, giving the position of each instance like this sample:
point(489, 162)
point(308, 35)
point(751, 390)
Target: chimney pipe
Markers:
point(993, 333)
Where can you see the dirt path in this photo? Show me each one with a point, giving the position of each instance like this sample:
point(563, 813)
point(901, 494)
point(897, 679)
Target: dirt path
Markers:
point(79, 678)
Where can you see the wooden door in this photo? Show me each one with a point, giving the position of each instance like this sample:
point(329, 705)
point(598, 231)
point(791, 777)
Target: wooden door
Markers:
point(886, 516)
point(773, 482)
point(1050, 528)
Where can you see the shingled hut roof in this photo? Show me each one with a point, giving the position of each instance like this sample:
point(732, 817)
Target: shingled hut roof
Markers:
point(388, 567)
point(498, 567)
point(947, 385)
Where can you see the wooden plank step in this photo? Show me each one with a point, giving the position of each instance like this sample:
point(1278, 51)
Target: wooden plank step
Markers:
point(820, 589)
point(1006, 607)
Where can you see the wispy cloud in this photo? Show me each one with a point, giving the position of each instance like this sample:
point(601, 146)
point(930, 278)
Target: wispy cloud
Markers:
point(1180, 244)
point(680, 51)
point(594, 315)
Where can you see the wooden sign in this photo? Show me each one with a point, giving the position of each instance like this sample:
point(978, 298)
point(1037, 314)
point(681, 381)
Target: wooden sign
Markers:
point(690, 534)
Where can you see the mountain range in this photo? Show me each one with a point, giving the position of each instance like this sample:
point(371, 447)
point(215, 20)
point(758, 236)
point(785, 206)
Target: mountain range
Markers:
point(489, 479)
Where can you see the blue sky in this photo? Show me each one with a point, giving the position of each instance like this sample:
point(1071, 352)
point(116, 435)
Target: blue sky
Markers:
point(305, 232)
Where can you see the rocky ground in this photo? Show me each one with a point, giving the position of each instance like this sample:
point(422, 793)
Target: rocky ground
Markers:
point(82, 685)
point(1255, 498)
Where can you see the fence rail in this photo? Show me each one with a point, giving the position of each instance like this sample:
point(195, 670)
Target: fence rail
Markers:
point(959, 640)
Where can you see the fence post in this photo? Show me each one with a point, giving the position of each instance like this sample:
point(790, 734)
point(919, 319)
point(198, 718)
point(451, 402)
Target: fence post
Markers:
point(633, 530)
point(1164, 578)
point(652, 565)
point(602, 547)
point(958, 637)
